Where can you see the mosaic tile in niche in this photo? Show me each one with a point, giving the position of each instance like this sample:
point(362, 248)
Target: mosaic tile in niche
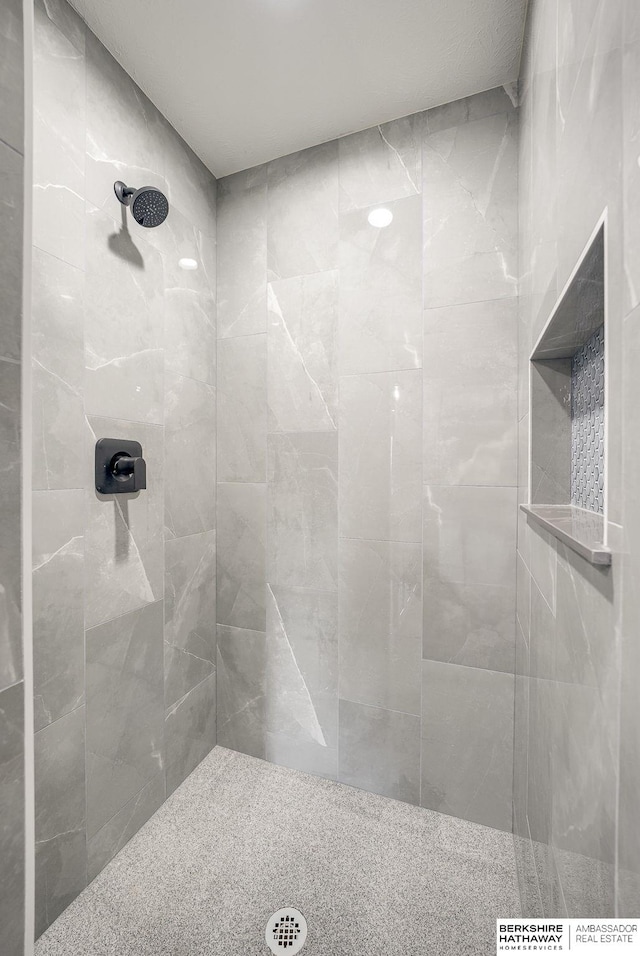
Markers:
point(587, 424)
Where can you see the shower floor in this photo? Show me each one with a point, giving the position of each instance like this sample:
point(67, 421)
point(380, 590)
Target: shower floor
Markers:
point(242, 838)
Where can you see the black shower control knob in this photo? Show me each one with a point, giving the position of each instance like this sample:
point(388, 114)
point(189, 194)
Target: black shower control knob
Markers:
point(124, 467)
point(120, 468)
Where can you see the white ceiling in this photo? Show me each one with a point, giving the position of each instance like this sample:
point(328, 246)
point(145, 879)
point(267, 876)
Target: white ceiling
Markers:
point(245, 81)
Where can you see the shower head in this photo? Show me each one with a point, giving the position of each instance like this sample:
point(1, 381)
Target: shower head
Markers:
point(149, 206)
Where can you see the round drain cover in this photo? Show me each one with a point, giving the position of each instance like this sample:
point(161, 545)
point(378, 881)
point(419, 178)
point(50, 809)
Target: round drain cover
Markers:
point(286, 931)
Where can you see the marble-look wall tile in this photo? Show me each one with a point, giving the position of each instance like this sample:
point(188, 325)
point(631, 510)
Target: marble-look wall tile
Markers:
point(542, 707)
point(471, 350)
point(521, 733)
point(302, 350)
point(241, 534)
point(59, 122)
point(11, 204)
point(58, 604)
point(302, 510)
point(124, 345)
point(125, 711)
point(380, 458)
point(380, 589)
point(467, 743)
point(502, 99)
point(584, 800)
point(190, 613)
point(380, 290)
point(470, 211)
point(124, 322)
point(110, 838)
point(469, 575)
point(302, 212)
point(123, 534)
point(379, 751)
point(190, 331)
point(241, 690)
point(125, 134)
point(191, 187)
point(628, 872)
point(61, 844)
point(12, 858)
point(242, 408)
point(307, 756)
point(631, 151)
point(301, 688)
point(10, 577)
point(11, 75)
point(190, 731)
point(242, 253)
point(189, 456)
point(381, 164)
point(58, 371)
point(543, 563)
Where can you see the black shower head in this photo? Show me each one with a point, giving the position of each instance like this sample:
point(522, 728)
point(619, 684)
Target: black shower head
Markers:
point(149, 206)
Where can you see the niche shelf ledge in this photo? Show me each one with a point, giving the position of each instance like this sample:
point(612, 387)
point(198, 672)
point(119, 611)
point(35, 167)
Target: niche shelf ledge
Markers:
point(579, 529)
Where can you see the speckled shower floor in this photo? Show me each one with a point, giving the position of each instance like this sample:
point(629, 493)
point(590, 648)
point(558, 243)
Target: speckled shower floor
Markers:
point(242, 838)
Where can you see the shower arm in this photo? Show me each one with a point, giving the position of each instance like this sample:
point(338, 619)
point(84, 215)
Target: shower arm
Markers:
point(124, 193)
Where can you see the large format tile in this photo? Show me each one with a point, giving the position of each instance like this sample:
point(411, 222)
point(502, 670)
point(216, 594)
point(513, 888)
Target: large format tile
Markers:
point(381, 164)
point(242, 253)
point(241, 531)
point(470, 397)
point(190, 456)
point(302, 212)
point(302, 672)
point(58, 604)
point(125, 133)
point(12, 859)
point(124, 322)
point(11, 75)
point(242, 408)
point(191, 187)
point(124, 824)
point(10, 574)
point(470, 211)
point(302, 510)
point(379, 751)
point(125, 711)
point(61, 844)
point(59, 124)
point(381, 290)
point(241, 690)
point(190, 731)
point(380, 459)
point(11, 208)
point(302, 351)
point(381, 623)
point(190, 613)
point(123, 535)
point(469, 575)
point(189, 330)
point(467, 743)
point(58, 371)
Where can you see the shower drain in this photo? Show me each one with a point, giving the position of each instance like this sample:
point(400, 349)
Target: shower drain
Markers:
point(286, 931)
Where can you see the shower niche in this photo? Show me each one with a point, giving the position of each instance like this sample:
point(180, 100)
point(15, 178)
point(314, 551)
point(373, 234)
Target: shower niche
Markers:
point(568, 423)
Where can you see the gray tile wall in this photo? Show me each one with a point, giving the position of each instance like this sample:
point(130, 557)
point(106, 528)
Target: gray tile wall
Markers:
point(367, 450)
point(12, 828)
point(123, 346)
point(576, 715)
